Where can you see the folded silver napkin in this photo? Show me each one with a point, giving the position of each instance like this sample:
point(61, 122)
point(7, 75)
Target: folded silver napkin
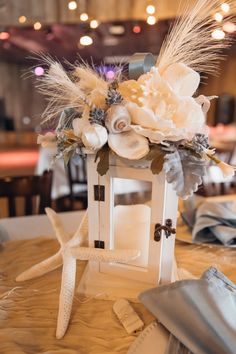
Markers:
point(215, 222)
point(212, 222)
point(200, 314)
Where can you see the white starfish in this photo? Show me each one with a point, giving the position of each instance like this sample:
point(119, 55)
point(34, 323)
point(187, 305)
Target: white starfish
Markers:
point(70, 250)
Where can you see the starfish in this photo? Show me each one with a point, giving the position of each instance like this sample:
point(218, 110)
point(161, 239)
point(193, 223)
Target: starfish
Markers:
point(72, 248)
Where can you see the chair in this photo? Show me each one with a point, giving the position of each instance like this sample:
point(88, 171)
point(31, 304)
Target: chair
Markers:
point(28, 188)
point(77, 180)
point(77, 176)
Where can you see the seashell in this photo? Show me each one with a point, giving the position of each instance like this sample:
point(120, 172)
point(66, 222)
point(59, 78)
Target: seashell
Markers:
point(129, 145)
point(182, 79)
point(94, 136)
point(117, 119)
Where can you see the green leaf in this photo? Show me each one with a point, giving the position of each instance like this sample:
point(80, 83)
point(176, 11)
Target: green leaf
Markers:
point(157, 163)
point(156, 155)
point(153, 152)
point(103, 156)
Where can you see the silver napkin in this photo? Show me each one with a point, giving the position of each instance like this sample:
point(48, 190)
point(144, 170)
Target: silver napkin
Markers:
point(201, 314)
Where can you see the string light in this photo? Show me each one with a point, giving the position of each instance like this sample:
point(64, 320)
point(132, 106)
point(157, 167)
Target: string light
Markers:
point(22, 19)
point(150, 9)
point(116, 30)
point(137, 29)
point(218, 17)
point(4, 36)
point(72, 5)
point(39, 71)
point(37, 26)
point(151, 20)
point(86, 40)
point(84, 17)
point(94, 24)
point(110, 74)
point(225, 7)
point(229, 27)
point(218, 34)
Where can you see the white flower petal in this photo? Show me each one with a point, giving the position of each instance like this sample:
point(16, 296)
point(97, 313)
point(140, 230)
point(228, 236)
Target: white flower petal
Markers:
point(157, 136)
point(182, 79)
point(189, 116)
point(142, 116)
point(129, 145)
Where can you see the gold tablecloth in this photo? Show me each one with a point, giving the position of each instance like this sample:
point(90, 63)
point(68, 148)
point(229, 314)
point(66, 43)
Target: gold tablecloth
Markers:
point(28, 311)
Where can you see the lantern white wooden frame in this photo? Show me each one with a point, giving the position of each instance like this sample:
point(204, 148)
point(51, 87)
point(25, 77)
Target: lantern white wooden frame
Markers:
point(164, 203)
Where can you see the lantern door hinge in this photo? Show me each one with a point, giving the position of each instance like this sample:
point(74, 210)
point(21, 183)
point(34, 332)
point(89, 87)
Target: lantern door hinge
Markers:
point(99, 193)
point(99, 244)
point(167, 228)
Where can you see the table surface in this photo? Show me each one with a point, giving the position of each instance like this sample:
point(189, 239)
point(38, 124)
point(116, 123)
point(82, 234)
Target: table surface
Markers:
point(28, 310)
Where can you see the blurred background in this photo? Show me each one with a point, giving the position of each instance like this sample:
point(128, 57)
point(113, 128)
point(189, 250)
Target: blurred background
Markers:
point(102, 32)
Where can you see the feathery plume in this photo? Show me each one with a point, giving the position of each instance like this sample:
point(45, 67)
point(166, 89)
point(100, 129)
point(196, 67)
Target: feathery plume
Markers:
point(190, 41)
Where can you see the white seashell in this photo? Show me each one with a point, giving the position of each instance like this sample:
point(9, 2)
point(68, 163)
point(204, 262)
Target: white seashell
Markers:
point(129, 145)
point(182, 79)
point(118, 119)
point(94, 136)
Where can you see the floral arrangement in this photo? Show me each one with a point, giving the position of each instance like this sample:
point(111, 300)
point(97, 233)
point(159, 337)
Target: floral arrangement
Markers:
point(157, 117)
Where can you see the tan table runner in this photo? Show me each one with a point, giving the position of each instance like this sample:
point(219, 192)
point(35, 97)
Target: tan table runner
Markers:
point(28, 311)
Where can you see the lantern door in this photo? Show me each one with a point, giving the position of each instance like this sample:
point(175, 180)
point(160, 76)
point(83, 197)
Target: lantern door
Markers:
point(132, 226)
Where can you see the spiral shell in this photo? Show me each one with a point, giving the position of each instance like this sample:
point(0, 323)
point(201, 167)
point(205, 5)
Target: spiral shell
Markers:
point(117, 119)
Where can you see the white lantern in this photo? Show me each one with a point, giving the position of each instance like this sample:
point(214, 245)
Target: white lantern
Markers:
point(153, 235)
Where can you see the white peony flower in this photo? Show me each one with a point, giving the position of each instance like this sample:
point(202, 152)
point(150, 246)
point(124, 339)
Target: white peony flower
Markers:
point(183, 80)
point(162, 113)
point(189, 115)
point(48, 140)
point(94, 136)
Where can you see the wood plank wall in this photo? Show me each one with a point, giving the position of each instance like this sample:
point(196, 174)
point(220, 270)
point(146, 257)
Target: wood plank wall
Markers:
point(225, 82)
point(49, 11)
point(20, 96)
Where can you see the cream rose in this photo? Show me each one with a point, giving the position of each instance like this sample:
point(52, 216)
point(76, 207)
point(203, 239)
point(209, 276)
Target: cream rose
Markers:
point(94, 136)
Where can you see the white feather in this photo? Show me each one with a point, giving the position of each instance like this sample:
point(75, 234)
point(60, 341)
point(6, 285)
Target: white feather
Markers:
point(190, 41)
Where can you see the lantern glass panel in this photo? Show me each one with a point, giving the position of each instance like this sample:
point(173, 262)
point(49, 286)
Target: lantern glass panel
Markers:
point(132, 217)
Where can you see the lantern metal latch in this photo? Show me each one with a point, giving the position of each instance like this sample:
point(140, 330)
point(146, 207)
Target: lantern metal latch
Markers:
point(167, 228)
point(99, 193)
point(99, 244)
